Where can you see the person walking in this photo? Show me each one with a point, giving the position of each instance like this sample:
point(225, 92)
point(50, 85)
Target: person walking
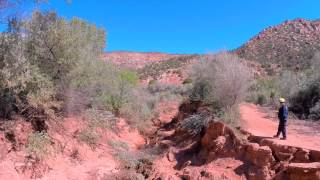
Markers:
point(283, 117)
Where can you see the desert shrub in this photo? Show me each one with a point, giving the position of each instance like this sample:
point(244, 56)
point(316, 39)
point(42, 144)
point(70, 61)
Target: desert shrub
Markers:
point(107, 86)
point(195, 124)
point(306, 102)
point(140, 110)
point(230, 116)
point(261, 100)
point(222, 80)
point(267, 90)
point(264, 90)
point(39, 144)
point(37, 57)
point(22, 86)
point(187, 81)
point(100, 119)
point(89, 136)
point(315, 111)
point(125, 175)
point(119, 145)
point(96, 119)
point(156, 69)
point(130, 159)
point(289, 83)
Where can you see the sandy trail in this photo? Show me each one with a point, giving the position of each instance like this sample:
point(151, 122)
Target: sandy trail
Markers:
point(258, 123)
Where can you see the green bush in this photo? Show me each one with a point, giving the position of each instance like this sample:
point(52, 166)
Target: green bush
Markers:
point(39, 143)
point(36, 61)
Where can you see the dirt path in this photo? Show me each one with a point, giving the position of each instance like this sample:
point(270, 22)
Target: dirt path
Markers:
point(259, 123)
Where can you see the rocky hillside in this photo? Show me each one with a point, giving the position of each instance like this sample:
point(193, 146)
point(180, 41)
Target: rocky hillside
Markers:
point(136, 59)
point(291, 45)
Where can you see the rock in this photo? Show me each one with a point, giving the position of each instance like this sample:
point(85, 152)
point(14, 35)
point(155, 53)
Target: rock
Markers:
point(219, 139)
point(188, 174)
point(206, 174)
point(186, 164)
point(171, 156)
point(304, 171)
point(283, 156)
point(218, 144)
point(166, 133)
point(20, 167)
point(164, 176)
point(315, 156)
point(301, 156)
point(259, 173)
point(259, 156)
point(166, 143)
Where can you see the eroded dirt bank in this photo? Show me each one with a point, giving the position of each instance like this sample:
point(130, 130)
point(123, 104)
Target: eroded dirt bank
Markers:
point(225, 153)
point(217, 152)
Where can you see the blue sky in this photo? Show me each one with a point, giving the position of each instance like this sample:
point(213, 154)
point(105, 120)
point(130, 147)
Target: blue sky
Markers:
point(183, 26)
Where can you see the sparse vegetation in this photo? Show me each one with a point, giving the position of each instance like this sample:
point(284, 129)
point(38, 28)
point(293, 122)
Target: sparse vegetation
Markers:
point(39, 143)
point(154, 70)
point(195, 124)
point(284, 46)
point(100, 119)
point(89, 136)
point(221, 82)
point(301, 89)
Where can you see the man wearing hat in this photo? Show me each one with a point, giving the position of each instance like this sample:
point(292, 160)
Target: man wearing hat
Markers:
point(283, 117)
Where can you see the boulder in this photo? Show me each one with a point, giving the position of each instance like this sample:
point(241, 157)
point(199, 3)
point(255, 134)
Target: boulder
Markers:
point(219, 139)
point(314, 156)
point(304, 171)
point(260, 156)
point(281, 156)
point(171, 156)
point(258, 173)
point(301, 156)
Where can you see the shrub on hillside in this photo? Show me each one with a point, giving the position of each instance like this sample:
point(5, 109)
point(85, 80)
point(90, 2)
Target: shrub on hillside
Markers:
point(39, 143)
point(154, 70)
point(195, 124)
point(222, 81)
point(306, 102)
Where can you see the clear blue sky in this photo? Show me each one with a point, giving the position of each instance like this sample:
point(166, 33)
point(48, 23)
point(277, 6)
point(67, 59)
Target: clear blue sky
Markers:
point(184, 26)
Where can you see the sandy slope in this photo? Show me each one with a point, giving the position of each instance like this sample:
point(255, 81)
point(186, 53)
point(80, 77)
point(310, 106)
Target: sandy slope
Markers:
point(259, 123)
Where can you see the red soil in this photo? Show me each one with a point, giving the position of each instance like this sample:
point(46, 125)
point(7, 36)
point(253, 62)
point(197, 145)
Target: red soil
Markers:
point(70, 159)
point(258, 123)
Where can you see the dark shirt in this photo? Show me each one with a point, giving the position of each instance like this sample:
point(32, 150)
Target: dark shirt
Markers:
point(283, 113)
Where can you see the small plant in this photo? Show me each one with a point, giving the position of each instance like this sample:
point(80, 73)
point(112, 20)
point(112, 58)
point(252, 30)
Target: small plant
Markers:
point(75, 154)
point(119, 145)
point(100, 119)
point(124, 175)
point(187, 81)
point(195, 124)
point(261, 100)
point(89, 137)
point(39, 144)
point(231, 116)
